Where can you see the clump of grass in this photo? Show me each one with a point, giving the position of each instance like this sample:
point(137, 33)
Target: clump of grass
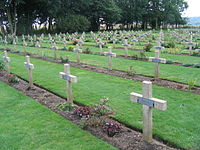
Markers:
point(191, 84)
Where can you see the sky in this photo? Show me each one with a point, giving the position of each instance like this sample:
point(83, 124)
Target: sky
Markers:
point(193, 9)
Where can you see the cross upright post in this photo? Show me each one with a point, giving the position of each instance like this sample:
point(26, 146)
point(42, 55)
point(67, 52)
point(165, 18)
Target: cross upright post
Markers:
point(69, 78)
point(77, 51)
point(6, 59)
point(29, 67)
point(157, 60)
point(148, 103)
point(110, 55)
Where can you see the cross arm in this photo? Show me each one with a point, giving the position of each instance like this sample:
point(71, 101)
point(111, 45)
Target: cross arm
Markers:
point(152, 102)
point(70, 78)
point(28, 66)
point(160, 60)
point(77, 50)
point(6, 59)
point(110, 54)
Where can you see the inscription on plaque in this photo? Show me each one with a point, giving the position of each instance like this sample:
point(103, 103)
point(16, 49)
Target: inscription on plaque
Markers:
point(145, 101)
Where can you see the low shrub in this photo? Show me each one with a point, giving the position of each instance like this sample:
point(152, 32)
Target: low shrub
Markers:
point(169, 62)
point(197, 65)
point(191, 84)
point(64, 59)
point(111, 128)
point(70, 48)
point(2, 65)
point(65, 106)
point(82, 112)
point(12, 78)
point(87, 51)
point(148, 46)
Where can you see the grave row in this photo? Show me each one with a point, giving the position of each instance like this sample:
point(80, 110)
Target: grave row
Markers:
point(145, 99)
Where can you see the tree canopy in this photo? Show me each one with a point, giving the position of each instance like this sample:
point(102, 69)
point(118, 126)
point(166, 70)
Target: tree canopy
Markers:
point(19, 16)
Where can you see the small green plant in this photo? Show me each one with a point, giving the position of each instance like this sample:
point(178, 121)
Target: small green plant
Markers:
point(142, 54)
point(2, 65)
point(191, 84)
point(197, 65)
point(148, 46)
point(187, 65)
point(12, 78)
point(87, 51)
point(65, 106)
point(131, 71)
point(170, 44)
point(169, 62)
point(64, 59)
point(70, 48)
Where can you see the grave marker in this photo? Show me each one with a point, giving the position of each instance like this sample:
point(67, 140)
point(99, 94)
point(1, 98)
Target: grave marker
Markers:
point(190, 44)
point(6, 59)
point(29, 67)
point(100, 43)
point(110, 55)
point(77, 51)
point(126, 45)
point(157, 61)
point(69, 78)
point(148, 103)
point(55, 48)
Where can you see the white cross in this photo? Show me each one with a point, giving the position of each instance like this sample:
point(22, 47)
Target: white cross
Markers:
point(77, 51)
point(100, 43)
point(69, 78)
point(157, 61)
point(126, 45)
point(110, 55)
point(6, 59)
point(148, 103)
point(190, 44)
point(159, 47)
point(29, 67)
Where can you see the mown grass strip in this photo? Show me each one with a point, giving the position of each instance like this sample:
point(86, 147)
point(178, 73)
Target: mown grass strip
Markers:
point(170, 72)
point(179, 124)
point(26, 124)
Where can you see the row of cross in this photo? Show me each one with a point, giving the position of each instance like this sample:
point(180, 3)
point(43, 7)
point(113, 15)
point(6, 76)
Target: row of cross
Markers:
point(145, 99)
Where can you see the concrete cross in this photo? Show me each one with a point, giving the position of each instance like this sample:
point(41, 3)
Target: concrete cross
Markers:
point(159, 47)
point(126, 45)
point(190, 44)
point(134, 42)
point(110, 55)
point(77, 51)
point(100, 43)
point(69, 78)
point(157, 61)
point(24, 45)
point(114, 41)
point(6, 59)
point(29, 67)
point(55, 48)
point(148, 103)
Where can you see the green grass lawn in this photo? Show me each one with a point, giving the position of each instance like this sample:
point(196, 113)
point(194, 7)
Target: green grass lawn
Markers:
point(179, 124)
point(170, 72)
point(26, 124)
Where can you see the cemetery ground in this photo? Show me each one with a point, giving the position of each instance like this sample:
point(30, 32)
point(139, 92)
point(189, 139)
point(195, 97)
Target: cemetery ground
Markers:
point(169, 72)
point(26, 124)
point(178, 125)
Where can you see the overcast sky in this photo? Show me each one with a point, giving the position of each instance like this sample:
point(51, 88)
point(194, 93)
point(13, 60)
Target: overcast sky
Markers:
point(193, 9)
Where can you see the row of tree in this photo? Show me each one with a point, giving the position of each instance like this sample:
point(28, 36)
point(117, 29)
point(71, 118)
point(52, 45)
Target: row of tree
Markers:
point(20, 16)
